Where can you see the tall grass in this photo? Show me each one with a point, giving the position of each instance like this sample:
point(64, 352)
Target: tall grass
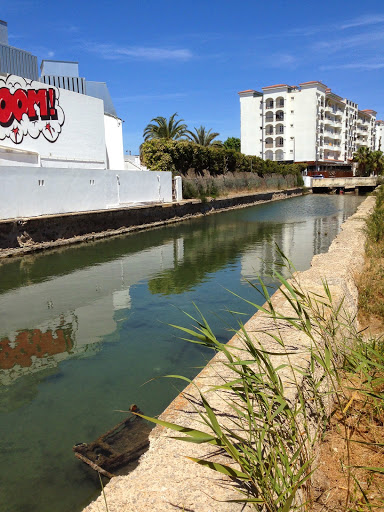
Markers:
point(371, 283)
point(278, 400)
point(207, 185)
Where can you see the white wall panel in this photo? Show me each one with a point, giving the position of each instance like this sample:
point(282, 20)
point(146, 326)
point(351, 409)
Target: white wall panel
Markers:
point(34, 191)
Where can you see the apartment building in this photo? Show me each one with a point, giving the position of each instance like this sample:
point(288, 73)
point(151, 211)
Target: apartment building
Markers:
point(304, 123)
point(379, 142)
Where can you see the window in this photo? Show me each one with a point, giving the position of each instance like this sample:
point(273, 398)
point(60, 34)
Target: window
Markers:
point(279, 116)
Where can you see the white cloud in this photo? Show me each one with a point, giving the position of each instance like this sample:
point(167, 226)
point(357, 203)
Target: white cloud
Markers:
point(358, 66)
point(278, 60)
point(361, 21)
point(350, 42)
point(368, 19)
point(111, 52)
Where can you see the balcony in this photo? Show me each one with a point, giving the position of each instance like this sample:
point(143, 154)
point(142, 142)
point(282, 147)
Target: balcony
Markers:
point(329, 121)
point(332, 147)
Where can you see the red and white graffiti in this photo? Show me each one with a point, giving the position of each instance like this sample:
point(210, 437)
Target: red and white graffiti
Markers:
point(26, 108)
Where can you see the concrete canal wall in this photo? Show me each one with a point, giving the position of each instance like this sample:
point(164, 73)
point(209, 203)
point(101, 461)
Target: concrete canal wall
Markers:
point(23, 235)
point(165, 479)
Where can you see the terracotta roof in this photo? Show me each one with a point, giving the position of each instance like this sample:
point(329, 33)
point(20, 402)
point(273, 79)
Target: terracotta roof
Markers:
point(276, 85)
point(313, 82)
point(248, 90)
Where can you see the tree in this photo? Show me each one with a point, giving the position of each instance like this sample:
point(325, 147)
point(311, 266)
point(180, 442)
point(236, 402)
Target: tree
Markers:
point(203, 137)
point(377, 162)
point(363, 159)
point(233, 143)
point(162, 128)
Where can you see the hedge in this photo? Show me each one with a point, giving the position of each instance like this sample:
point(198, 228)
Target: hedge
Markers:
point(180, 157)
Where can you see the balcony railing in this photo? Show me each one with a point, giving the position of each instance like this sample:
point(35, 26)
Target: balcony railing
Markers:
point(332, 147)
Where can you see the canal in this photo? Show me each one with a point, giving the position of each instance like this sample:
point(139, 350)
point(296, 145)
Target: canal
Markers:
point(84, 331)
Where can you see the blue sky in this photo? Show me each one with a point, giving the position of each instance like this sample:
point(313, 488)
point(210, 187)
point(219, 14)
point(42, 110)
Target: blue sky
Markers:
point(161, 57)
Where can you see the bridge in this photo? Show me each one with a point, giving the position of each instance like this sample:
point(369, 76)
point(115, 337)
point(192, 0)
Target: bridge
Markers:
point(355, 183)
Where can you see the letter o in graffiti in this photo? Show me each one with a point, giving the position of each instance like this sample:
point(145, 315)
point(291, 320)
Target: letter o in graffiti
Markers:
point(20, 104)
point(6, 107)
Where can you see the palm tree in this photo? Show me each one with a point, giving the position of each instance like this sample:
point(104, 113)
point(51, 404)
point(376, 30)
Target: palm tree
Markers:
point(377, 162)
point(363, 158)
point(203, 137)
point(162, 128)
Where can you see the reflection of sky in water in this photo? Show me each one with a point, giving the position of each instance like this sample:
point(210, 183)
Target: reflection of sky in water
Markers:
point(83, 328)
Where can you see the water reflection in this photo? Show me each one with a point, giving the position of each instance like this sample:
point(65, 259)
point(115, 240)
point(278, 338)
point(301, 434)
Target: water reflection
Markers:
point(52, 320)
point(48, 319)
point(83, 328)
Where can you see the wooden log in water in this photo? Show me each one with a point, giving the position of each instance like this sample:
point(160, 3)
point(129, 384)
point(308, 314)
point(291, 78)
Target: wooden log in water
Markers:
point(93, 465)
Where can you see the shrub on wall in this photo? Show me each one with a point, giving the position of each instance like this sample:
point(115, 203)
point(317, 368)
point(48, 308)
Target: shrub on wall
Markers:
point(206, 185)
point(181, 157)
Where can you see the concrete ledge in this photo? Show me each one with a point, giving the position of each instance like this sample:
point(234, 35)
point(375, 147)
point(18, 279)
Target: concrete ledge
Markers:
point(164, 479)
point(21, 236)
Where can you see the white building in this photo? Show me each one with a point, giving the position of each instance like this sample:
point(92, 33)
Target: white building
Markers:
point(304, 123)
point(13, 60)
point(42, 122)
point(61, 143)
point(44, 126)
point(65, 75)
point(379, 143)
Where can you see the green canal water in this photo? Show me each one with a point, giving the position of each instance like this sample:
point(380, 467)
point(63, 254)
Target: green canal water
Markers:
point(84, 329)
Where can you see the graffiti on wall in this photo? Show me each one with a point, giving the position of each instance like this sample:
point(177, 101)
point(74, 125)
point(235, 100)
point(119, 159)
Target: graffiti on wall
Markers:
point(27, 108)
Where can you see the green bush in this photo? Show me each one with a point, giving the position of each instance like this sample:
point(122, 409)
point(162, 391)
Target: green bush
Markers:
point(182, 157)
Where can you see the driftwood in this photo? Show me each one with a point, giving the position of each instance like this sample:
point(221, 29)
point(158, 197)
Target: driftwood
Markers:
point(93, 465)
point(124, 443)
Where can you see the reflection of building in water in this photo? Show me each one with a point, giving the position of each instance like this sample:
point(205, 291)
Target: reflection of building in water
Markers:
point(47, 322)
point(293, 240)
point(33, 344)
point(261, 259)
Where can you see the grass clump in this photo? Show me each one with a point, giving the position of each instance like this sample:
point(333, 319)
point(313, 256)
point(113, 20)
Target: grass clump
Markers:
point(278, 389)
point(371, 283)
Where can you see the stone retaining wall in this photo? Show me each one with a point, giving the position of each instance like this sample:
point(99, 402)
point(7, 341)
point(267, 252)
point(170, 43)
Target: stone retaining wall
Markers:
point(20, 236)
point(165, 480)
